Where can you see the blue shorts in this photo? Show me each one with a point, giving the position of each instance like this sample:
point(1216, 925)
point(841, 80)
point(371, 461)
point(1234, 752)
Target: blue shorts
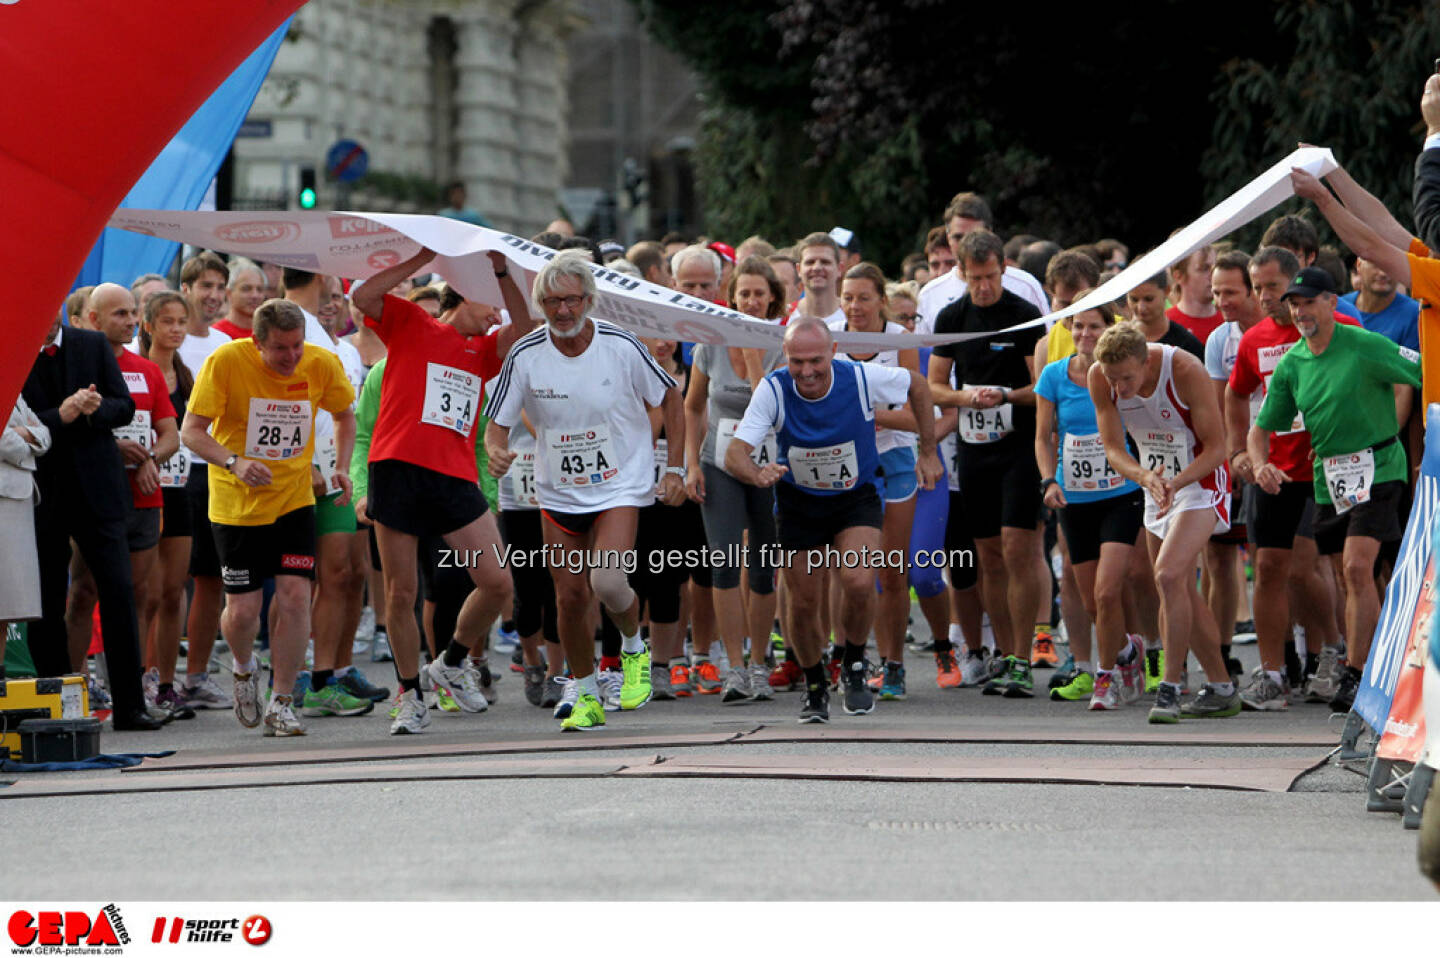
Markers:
point(898, 465)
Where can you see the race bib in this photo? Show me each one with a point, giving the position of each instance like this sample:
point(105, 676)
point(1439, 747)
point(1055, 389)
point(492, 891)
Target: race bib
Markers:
point(326, 454)
point(762, 455)
point(1086, 468)
point(276, 429)
point(584, 457)
point(175, 471)
point(137, 430)
point(522, 481)
point(1350, 478)
point(662, 459)
point(831, 468)
point(1269, 358)
point(950, 455)
point(983, 426)
point(452, 398)
point(1161, 452)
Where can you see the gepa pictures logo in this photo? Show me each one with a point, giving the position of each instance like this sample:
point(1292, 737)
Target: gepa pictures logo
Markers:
point(45, 928)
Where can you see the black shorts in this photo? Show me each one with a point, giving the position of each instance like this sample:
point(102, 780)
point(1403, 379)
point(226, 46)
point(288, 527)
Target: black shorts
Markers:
point(175, 522)
point(577, 524)
point(204, 559)
point(1000, 490)
point(656, 579)
point(1237, 534)
point(419, 501)
point(251, 554)
point(1275, 521)
point(806, 520)
point(1378, 517)
point(1088, 525)
point(958, 537)
point(142, 528)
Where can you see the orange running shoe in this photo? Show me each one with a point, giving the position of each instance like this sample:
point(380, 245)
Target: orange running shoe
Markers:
point(1042, 650)
point(947, 673)
point(680, 681)
point(787, 677)
point(707, 678)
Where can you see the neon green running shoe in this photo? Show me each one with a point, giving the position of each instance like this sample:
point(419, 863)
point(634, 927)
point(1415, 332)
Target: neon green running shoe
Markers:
point(1154, 669)
point(333, 700)
point(587, 715)
point(446, 700)
point(1080, 686)
point(637, 689)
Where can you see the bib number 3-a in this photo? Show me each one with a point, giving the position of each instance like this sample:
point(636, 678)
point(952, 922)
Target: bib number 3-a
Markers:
point(452, 397)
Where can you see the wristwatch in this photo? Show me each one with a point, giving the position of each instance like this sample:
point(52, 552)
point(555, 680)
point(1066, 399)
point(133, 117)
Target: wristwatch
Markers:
point(1047, 483)
point(675, 471)
point(230, 463)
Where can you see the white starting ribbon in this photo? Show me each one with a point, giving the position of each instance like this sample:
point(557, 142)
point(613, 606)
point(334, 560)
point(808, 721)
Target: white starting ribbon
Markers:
point(359, 245)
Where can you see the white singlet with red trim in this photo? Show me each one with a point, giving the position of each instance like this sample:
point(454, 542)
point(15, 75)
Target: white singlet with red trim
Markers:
point(1166, 442)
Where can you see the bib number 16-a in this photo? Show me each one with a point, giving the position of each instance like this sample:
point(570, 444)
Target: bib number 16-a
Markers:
point(1349, 478)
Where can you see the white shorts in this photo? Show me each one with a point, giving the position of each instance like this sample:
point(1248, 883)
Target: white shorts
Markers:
point(1192, 497)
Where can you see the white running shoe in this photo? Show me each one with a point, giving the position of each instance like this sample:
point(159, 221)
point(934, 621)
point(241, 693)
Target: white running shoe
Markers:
point(461, 681)
point(975, 670)
point(207, 694)
point(412, 717)
point(760, 683)
point(1106, 696)
point(150, 685)
point(247, 697)
point(568, 697)
point(610, 682)
point(280, 718)
point(1132, 677)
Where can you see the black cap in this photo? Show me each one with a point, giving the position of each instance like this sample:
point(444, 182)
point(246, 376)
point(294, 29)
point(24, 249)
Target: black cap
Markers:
point(1310, 282)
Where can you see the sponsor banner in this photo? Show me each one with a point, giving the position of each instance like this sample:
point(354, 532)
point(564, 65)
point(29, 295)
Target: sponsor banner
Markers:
point(1431, 684)
point(357, 245)
point(1409, 597)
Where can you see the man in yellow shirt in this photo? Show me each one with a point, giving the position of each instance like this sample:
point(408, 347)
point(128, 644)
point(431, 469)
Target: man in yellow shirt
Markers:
point(261, 396)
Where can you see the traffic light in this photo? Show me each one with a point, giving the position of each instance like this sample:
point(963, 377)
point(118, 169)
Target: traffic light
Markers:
point(307, 187)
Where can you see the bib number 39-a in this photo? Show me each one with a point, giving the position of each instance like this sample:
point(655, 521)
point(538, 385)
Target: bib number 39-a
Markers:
point(452, 398)
point(1349, 478)
point(1086, 468)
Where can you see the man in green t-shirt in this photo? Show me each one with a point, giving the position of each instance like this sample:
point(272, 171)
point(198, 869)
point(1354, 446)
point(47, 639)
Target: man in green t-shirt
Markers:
point(1347, 384)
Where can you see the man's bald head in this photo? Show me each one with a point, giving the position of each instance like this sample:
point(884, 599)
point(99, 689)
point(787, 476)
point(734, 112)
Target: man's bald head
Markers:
point(812, 329)
point(809, 350)
point(112, 311)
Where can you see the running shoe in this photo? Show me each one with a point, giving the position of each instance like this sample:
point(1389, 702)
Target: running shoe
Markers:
point(1154, 669)
point(587, 716)
point(172, 702)
point(976, 668)
point(1132, 675)
point(569, 694)
point(150, 685)
point(1166, 710)
point(443, 701)
point(817, 705)
point(355, 683)
point(737, 687)
point(760, 682)
point(832, 669)
point(661, 688)
point(1344, 699)
point(680, 682)
point(1264, 694)
point(1209, 703)
point(995, 683)
point(247, 697)
point(534, 683)
point(333, 700)
point(1323, 685)
point(280, 718)
point(1106, 696)
point(1019, 684)
point(611, 683)
point(637, 689)
point(1081, 685)
point(461, 681)
point(410, 716)
point(488, 681)
point(1042, 649)
point(506, 640)
point(858, 699)
point(892, 684)
point(517, 660)
point(788, 676)
point(947, 672)
point(550, 694)
point(707, 678)
point(380, 647)
point(1064, 673)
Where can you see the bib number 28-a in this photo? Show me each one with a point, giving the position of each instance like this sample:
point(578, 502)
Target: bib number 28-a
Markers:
point(276, 429)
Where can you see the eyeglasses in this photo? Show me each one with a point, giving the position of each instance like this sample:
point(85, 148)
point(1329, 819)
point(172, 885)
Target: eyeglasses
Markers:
point(555, 302)
point(905, 317)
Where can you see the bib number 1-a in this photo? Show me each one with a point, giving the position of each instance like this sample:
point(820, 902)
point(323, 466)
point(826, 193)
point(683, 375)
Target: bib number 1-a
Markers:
point(831, 468)
point(276, 429)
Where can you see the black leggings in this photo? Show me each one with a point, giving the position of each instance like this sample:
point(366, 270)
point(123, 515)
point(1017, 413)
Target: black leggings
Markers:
point(656, 579)
point(534, 589)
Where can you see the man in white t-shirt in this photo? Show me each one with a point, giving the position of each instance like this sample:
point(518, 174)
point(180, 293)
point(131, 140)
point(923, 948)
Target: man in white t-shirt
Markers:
point(966, 213)
point(586, 386)
point(203, 278)
point(820, 279)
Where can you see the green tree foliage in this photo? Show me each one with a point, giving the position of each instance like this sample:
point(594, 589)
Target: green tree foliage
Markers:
point(1075, 122)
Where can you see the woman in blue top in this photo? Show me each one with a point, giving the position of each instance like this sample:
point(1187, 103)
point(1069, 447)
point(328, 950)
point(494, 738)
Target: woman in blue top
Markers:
point(1100, 511)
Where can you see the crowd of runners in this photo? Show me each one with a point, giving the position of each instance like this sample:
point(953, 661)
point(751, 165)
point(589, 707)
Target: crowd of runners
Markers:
point(642, 519)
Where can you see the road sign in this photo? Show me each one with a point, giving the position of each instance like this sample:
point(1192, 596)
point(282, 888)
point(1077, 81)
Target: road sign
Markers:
point(346, 161)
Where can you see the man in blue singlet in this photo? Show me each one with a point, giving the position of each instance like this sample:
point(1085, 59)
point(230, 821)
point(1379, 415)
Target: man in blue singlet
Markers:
point(827, 501)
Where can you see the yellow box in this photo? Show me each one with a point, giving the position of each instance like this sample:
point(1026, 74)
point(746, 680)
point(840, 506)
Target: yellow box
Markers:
point(54, 698)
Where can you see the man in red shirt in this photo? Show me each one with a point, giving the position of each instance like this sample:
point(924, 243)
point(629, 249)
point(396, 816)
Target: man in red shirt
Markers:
point(246, 292)
point(1282, 526)
point(423, 479)
point(150, 438)
point(1196, 310)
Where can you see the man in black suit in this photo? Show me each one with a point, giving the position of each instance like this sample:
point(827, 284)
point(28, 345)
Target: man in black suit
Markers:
point(1427, 170)
point(76, 389)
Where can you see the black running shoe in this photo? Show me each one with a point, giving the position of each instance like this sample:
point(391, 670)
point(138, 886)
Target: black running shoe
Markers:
point(1344, 698)
point(858, 700)
point(817, 705)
